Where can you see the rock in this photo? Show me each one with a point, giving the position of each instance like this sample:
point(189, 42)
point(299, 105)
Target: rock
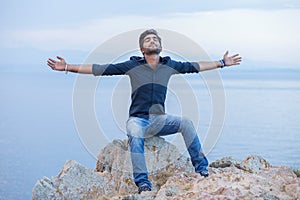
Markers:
point(254, 163)
point(172, 176)
point(161, 156)
point(113, 173)
point(233, 183)
point(224, 162)
point(73, 182)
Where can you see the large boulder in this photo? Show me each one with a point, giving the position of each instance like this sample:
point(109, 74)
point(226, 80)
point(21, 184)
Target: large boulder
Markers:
point(73, 182)
point(162, 158)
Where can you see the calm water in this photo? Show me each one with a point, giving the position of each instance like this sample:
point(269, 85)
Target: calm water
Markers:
point(37, 131)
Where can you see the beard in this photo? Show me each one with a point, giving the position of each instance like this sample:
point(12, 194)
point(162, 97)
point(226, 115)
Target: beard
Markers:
point(151, 51)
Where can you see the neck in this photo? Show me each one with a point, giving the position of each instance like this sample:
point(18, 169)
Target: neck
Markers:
point(152, 59)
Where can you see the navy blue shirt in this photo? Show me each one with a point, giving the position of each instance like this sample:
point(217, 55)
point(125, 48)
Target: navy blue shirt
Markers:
point(148, 85)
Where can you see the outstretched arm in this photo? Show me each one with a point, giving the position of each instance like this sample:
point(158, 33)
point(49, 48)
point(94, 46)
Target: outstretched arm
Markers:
point(228, 61)
point(61, 65)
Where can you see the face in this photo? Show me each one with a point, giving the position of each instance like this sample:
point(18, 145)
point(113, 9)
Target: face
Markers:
point(151, 45)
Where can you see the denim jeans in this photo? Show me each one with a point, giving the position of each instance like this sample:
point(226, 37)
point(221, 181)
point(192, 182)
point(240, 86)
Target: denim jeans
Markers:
point(161, 125)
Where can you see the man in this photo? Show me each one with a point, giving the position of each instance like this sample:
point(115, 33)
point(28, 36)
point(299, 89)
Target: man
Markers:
point(149, 76)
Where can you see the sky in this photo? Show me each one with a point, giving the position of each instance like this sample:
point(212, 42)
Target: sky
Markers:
point(265, 33)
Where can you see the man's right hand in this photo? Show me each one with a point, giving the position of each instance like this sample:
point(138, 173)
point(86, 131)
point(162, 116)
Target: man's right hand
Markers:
point(57, 65)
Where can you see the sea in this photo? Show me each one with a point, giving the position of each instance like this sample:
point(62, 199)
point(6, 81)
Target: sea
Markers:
point(256, 112)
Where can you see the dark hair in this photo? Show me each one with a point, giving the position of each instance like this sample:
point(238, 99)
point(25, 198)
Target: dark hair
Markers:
point(145, 33)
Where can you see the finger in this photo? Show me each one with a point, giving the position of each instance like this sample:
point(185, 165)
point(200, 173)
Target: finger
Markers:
point(52, 67)
point(238, 60)
point(49, 61)
point(50, 64)
point(60, 58)
point(226, 54)
point(235, 55)
point(52, 60)
point(235, 64)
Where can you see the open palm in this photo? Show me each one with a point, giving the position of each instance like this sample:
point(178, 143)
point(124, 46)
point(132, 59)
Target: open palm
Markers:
point(232, 60)
point(57, 65)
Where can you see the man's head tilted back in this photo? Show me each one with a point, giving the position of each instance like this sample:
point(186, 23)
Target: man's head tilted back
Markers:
point(150, 42)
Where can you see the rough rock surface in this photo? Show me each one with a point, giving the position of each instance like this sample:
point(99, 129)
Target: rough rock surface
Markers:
point(161, 156)
point(73, 182)
point(172, 177)
point(233, 183)
point(251, 163)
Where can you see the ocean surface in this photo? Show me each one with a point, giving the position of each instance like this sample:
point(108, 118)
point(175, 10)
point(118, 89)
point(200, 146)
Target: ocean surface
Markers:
point(38, 132)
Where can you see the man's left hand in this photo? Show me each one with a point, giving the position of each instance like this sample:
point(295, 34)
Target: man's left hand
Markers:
point(232, 60)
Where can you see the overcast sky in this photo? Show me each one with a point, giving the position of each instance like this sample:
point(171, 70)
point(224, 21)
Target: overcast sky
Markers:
point(262, 31)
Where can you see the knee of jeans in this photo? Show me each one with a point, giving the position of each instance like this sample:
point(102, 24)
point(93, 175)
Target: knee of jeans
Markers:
point(186, 122)
point(134, 130)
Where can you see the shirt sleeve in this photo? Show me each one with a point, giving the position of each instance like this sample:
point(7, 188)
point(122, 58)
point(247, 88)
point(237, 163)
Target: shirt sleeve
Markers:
point(111, 69)
point(186, 67)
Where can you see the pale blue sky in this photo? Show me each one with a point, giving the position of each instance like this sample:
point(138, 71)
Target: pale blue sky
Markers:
point(262, 31)
point(17, 14)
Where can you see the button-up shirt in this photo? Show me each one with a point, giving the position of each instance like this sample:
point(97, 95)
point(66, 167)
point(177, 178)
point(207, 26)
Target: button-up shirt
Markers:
point(148, 85)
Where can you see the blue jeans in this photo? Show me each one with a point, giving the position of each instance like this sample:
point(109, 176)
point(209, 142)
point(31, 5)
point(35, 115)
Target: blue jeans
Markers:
point(161, 125)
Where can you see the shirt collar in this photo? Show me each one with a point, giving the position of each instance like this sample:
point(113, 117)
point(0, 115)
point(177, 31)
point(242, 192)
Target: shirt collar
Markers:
point(142, 60)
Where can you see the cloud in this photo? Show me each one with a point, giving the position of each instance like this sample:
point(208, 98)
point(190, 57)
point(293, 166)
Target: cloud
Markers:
point(265, 35)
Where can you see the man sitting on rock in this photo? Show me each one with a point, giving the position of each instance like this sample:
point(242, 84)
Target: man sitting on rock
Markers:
point(149, 76)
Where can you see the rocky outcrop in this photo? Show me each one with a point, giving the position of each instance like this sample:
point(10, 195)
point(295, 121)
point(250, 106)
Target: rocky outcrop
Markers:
point(172, 177)
point(73, 182)
point(250, 164)
point(233, 183)
point(162, 158)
